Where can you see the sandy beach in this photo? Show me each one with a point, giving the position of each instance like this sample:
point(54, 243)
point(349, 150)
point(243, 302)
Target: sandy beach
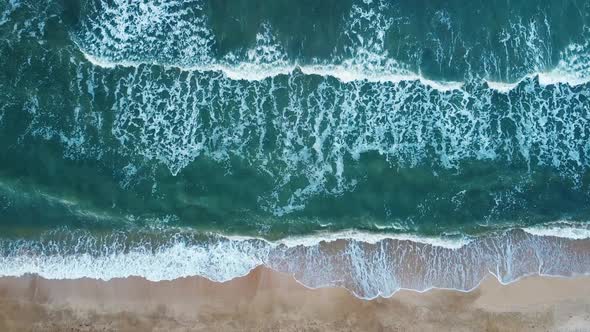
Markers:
point(265, 300)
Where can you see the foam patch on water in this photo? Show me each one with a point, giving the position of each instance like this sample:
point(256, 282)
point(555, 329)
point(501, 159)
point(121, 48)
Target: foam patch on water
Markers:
point(165, 32)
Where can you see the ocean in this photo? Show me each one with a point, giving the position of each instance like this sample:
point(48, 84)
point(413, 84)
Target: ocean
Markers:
point(368, 144)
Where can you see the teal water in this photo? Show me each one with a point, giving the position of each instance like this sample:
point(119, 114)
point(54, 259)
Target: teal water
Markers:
point(134, 123)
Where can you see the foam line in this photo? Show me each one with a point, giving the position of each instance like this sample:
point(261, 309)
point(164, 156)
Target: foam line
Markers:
point(449, 242)
point(259, 72)
point(561, 229)
point(345, 74)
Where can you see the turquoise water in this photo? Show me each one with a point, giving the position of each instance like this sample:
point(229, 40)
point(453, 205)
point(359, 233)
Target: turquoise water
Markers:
point(135, 127)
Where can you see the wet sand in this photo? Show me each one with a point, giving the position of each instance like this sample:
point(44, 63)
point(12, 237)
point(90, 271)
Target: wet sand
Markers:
point(265, 300)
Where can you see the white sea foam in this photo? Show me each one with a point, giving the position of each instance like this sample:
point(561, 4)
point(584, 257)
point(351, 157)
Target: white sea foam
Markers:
point(373, 238)
point(256, 72)
point(346, 73)
point(502, 86)
point(553, 77)
point(448, 242)
point(561, 229)
point(560, 77)
point(215, 262)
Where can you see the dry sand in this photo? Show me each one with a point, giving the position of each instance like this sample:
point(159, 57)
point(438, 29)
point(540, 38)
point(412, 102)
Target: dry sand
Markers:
point(266, 300)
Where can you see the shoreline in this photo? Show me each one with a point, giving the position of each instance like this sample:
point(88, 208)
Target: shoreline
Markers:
point(366, 269)
point(268, 300)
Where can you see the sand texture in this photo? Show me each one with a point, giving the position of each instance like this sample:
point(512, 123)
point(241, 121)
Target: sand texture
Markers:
point(265, 300)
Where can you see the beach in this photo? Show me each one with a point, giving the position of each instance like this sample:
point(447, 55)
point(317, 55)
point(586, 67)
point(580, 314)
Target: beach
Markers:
point(265, 300)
